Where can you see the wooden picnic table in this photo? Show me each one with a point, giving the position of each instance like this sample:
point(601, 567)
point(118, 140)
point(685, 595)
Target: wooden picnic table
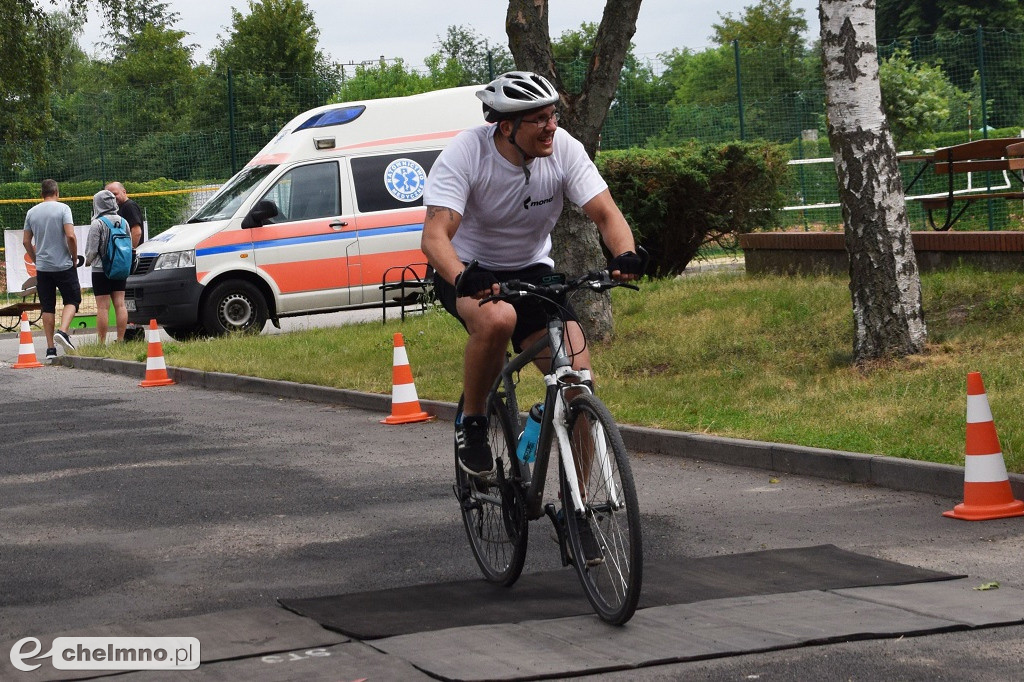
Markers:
point(1005, 154)
point(10, 314)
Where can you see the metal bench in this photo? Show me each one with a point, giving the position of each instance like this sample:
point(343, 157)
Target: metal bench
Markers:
point(412, 287)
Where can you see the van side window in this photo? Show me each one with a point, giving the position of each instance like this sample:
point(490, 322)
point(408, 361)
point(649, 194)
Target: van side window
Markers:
point(307, 192)
point(391, 181)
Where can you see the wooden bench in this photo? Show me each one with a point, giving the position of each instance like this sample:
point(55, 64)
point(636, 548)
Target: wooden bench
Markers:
point(10, 311)
point(1003, 155)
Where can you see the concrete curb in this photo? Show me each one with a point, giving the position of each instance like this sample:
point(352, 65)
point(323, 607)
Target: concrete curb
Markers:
point(943, 480)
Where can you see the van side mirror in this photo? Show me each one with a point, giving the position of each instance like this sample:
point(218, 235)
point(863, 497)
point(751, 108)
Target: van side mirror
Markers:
point(260, 214)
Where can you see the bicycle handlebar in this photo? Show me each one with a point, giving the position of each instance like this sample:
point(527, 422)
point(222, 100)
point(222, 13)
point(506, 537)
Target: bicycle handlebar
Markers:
point(595, 280)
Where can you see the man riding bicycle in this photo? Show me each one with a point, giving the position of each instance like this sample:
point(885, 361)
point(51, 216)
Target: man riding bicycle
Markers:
point(494, 196)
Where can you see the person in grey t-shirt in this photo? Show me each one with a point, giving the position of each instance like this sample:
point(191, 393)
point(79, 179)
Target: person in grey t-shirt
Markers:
point(51, 244)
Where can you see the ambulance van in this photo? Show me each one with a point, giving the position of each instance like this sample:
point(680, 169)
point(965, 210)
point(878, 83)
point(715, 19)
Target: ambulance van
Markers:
point(311, 225)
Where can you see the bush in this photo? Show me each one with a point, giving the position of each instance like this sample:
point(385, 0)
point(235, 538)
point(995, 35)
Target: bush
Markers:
point(681, 198)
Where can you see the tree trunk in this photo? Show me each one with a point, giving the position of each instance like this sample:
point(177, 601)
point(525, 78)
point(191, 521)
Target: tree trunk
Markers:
point(576, 247)
point(885, 284)
point(574, 241)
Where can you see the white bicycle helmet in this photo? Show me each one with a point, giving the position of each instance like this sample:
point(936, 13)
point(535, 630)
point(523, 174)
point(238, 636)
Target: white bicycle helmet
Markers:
point(515, 92)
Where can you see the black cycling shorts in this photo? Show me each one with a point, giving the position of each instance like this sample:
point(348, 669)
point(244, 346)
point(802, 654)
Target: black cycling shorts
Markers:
point(48, 283)
point(104, 286)
point(530, 315)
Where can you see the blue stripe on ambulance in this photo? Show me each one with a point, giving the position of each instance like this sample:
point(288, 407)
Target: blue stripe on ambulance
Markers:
point(311, 239)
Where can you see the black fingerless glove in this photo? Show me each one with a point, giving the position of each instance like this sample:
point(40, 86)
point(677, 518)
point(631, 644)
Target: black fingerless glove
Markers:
point(477, 279)
point(628, 263)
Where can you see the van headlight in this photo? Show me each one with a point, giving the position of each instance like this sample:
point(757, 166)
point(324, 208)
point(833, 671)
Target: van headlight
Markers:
point(176, 259)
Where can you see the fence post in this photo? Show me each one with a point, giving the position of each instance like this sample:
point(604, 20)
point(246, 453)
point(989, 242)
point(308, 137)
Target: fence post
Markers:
point(103, 160)
point(803, 154)
point(739, 87)
point(231, 120)
point(984, 117)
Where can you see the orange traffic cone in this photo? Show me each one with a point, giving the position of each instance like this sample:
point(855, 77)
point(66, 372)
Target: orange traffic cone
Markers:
point(987, 493)
point(405, 405)
point(156, 370)
point(26, 348)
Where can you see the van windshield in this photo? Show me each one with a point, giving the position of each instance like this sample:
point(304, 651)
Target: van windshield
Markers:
point(225, 203)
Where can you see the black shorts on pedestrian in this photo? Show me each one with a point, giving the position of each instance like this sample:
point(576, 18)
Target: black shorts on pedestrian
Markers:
point(530, 315)
point(103, 286)
point(66, 281)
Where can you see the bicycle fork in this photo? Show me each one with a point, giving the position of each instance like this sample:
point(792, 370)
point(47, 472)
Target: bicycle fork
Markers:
point(559, 421)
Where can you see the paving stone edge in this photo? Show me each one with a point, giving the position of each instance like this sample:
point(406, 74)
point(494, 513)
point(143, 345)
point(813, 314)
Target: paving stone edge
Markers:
point(888, 472)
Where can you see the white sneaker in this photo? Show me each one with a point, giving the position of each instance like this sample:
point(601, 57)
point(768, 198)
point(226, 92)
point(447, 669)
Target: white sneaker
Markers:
point(63, 339)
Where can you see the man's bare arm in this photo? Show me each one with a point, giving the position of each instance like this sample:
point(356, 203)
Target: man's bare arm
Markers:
point(439, 227)
point(29, 248)
point(69, 234)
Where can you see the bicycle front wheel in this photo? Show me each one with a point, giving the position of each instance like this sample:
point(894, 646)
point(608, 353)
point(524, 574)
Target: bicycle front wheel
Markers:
point(493, 511)
point(611, 515)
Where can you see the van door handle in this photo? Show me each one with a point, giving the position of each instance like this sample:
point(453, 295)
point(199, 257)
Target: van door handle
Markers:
point(338, 224)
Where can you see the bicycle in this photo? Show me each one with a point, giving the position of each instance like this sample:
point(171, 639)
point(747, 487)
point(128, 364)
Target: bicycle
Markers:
point(496, 512)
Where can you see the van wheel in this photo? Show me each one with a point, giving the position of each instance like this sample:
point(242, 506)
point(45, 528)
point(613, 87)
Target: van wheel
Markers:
point(234, 306)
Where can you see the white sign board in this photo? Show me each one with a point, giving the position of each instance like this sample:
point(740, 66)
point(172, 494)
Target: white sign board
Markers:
point(19, 269)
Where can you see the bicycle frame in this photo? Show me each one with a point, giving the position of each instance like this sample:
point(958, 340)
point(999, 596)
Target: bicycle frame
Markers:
point(597, 521)
point(561, 377)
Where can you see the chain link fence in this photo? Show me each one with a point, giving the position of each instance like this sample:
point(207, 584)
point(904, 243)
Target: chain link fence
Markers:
point(197, 133)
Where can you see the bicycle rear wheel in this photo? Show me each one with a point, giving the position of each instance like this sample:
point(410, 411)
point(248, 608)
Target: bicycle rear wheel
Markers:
point(611, 512)
point(494, 512)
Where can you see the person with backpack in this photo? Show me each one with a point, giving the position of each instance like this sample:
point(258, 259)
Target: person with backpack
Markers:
point(108, 249)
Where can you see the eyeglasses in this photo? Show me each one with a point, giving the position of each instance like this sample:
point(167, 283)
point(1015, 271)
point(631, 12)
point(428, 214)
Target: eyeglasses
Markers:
point(543, 121)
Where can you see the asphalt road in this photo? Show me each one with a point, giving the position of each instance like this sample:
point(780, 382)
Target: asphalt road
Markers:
point(121, 504)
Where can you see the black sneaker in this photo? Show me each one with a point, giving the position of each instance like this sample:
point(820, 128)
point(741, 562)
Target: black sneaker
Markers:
point(51, 354)
point(475, 456)
point(591, 549)
point(63, 339)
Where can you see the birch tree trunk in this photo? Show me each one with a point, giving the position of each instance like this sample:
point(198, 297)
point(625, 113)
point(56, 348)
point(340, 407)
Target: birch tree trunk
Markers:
point(575, 243)
point(885, 284)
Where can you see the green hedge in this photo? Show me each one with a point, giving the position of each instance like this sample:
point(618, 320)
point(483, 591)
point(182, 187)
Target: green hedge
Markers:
point(682, 198)
point(162, 210)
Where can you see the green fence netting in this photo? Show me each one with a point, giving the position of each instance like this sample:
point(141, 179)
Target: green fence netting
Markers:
point(179, 139)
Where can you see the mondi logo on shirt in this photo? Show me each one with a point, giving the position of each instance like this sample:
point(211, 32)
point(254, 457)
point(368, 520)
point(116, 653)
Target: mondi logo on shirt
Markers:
point(529, 202)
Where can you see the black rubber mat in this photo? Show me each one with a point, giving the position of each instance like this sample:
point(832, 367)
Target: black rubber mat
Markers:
point(557, 594)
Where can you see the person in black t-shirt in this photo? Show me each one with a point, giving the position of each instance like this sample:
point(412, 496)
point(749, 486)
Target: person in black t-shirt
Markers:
point(129, 210)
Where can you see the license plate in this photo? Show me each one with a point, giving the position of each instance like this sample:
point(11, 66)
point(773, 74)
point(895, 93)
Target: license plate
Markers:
point(130, 304)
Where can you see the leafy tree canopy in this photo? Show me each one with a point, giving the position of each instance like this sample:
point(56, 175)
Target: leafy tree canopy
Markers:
point(38, 49)
point(908, 18)
point(472, 55)
point(277, 36)
point(774, 23)
point(919, 99)
point(382, 79)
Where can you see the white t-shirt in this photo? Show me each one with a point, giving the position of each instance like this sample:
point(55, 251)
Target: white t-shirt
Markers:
point(506, 224)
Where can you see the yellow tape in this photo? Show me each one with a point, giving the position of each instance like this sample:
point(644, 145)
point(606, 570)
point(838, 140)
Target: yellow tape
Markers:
point(184, 190)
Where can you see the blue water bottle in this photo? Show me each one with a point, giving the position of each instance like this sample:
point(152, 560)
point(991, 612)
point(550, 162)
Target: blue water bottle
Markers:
point(527, 450)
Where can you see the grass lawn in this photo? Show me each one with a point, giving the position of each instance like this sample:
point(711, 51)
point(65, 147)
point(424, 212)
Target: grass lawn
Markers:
point(766, 358)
